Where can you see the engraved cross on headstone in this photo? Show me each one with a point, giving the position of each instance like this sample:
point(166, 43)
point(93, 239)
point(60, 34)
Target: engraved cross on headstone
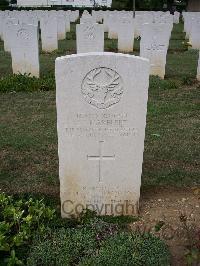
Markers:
point(100, 157)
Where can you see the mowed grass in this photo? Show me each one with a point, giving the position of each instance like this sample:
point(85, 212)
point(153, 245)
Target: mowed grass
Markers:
point(28, 138)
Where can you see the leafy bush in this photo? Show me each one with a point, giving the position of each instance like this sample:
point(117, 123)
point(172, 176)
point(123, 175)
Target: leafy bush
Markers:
point(130, 249)
point(30, 227)
point(15, 83)
point(19, 220)
point(62, 247)
point(97, 243)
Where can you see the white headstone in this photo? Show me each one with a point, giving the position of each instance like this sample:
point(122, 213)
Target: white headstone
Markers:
point(8, 33)
point(106, 21)
point(101, 115)
point(61, 22)
point(74, 15)
point(67, 23)
point(176, 17)
point(125, 35)
point(27, 19)
point(98, 15)
point(195, 34)
point(89, 38)
point(198, 69)
point(49, 33)
point(139, 21)
point(87, 19)
point(85, 13)
point(25, 52)
point(1, 24)
point(112, 27)
point(153, 45)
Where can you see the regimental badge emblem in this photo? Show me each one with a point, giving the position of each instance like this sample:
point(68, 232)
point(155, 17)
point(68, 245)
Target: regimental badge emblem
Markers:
point(102, 87)
point(24, 35)
point(89, 32)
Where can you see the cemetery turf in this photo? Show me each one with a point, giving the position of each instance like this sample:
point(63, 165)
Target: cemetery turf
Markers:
point(28, 140)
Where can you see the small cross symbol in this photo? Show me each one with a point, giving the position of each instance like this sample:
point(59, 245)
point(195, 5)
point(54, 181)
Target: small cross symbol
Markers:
point(101, 158)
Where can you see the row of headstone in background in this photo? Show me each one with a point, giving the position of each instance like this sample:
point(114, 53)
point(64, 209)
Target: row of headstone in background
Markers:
point(53, 24)
point(19, 31)
point(110, 19)
point(90, 35)
point(154, 28)
point(192, 28)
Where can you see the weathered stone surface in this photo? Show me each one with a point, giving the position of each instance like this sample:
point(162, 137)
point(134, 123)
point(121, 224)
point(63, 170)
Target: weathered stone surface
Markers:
point(49, 33)
point(8, 33)
point(125, 35)
point(176, 17)
point(89, 38)
point(101, 115)
point(154, 45)
point(61, 20)
point(195, 34)
point(25, 52)
point(112, 27)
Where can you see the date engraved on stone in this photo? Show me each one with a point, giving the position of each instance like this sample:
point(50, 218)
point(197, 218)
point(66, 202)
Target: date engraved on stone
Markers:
point(102, 87)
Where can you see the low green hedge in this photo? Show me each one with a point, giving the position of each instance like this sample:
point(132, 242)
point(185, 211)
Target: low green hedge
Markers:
point(88, 246)
point(16, 83)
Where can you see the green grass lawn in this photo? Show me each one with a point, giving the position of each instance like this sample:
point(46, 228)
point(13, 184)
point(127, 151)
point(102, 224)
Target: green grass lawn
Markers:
point(28, 140)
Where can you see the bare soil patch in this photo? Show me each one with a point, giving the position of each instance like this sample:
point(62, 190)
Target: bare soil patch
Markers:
point(161, 212)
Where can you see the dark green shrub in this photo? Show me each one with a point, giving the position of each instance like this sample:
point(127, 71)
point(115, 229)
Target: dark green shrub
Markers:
point(130, 249)
point(83, 247)
point(16, 83)
point(62, 247)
